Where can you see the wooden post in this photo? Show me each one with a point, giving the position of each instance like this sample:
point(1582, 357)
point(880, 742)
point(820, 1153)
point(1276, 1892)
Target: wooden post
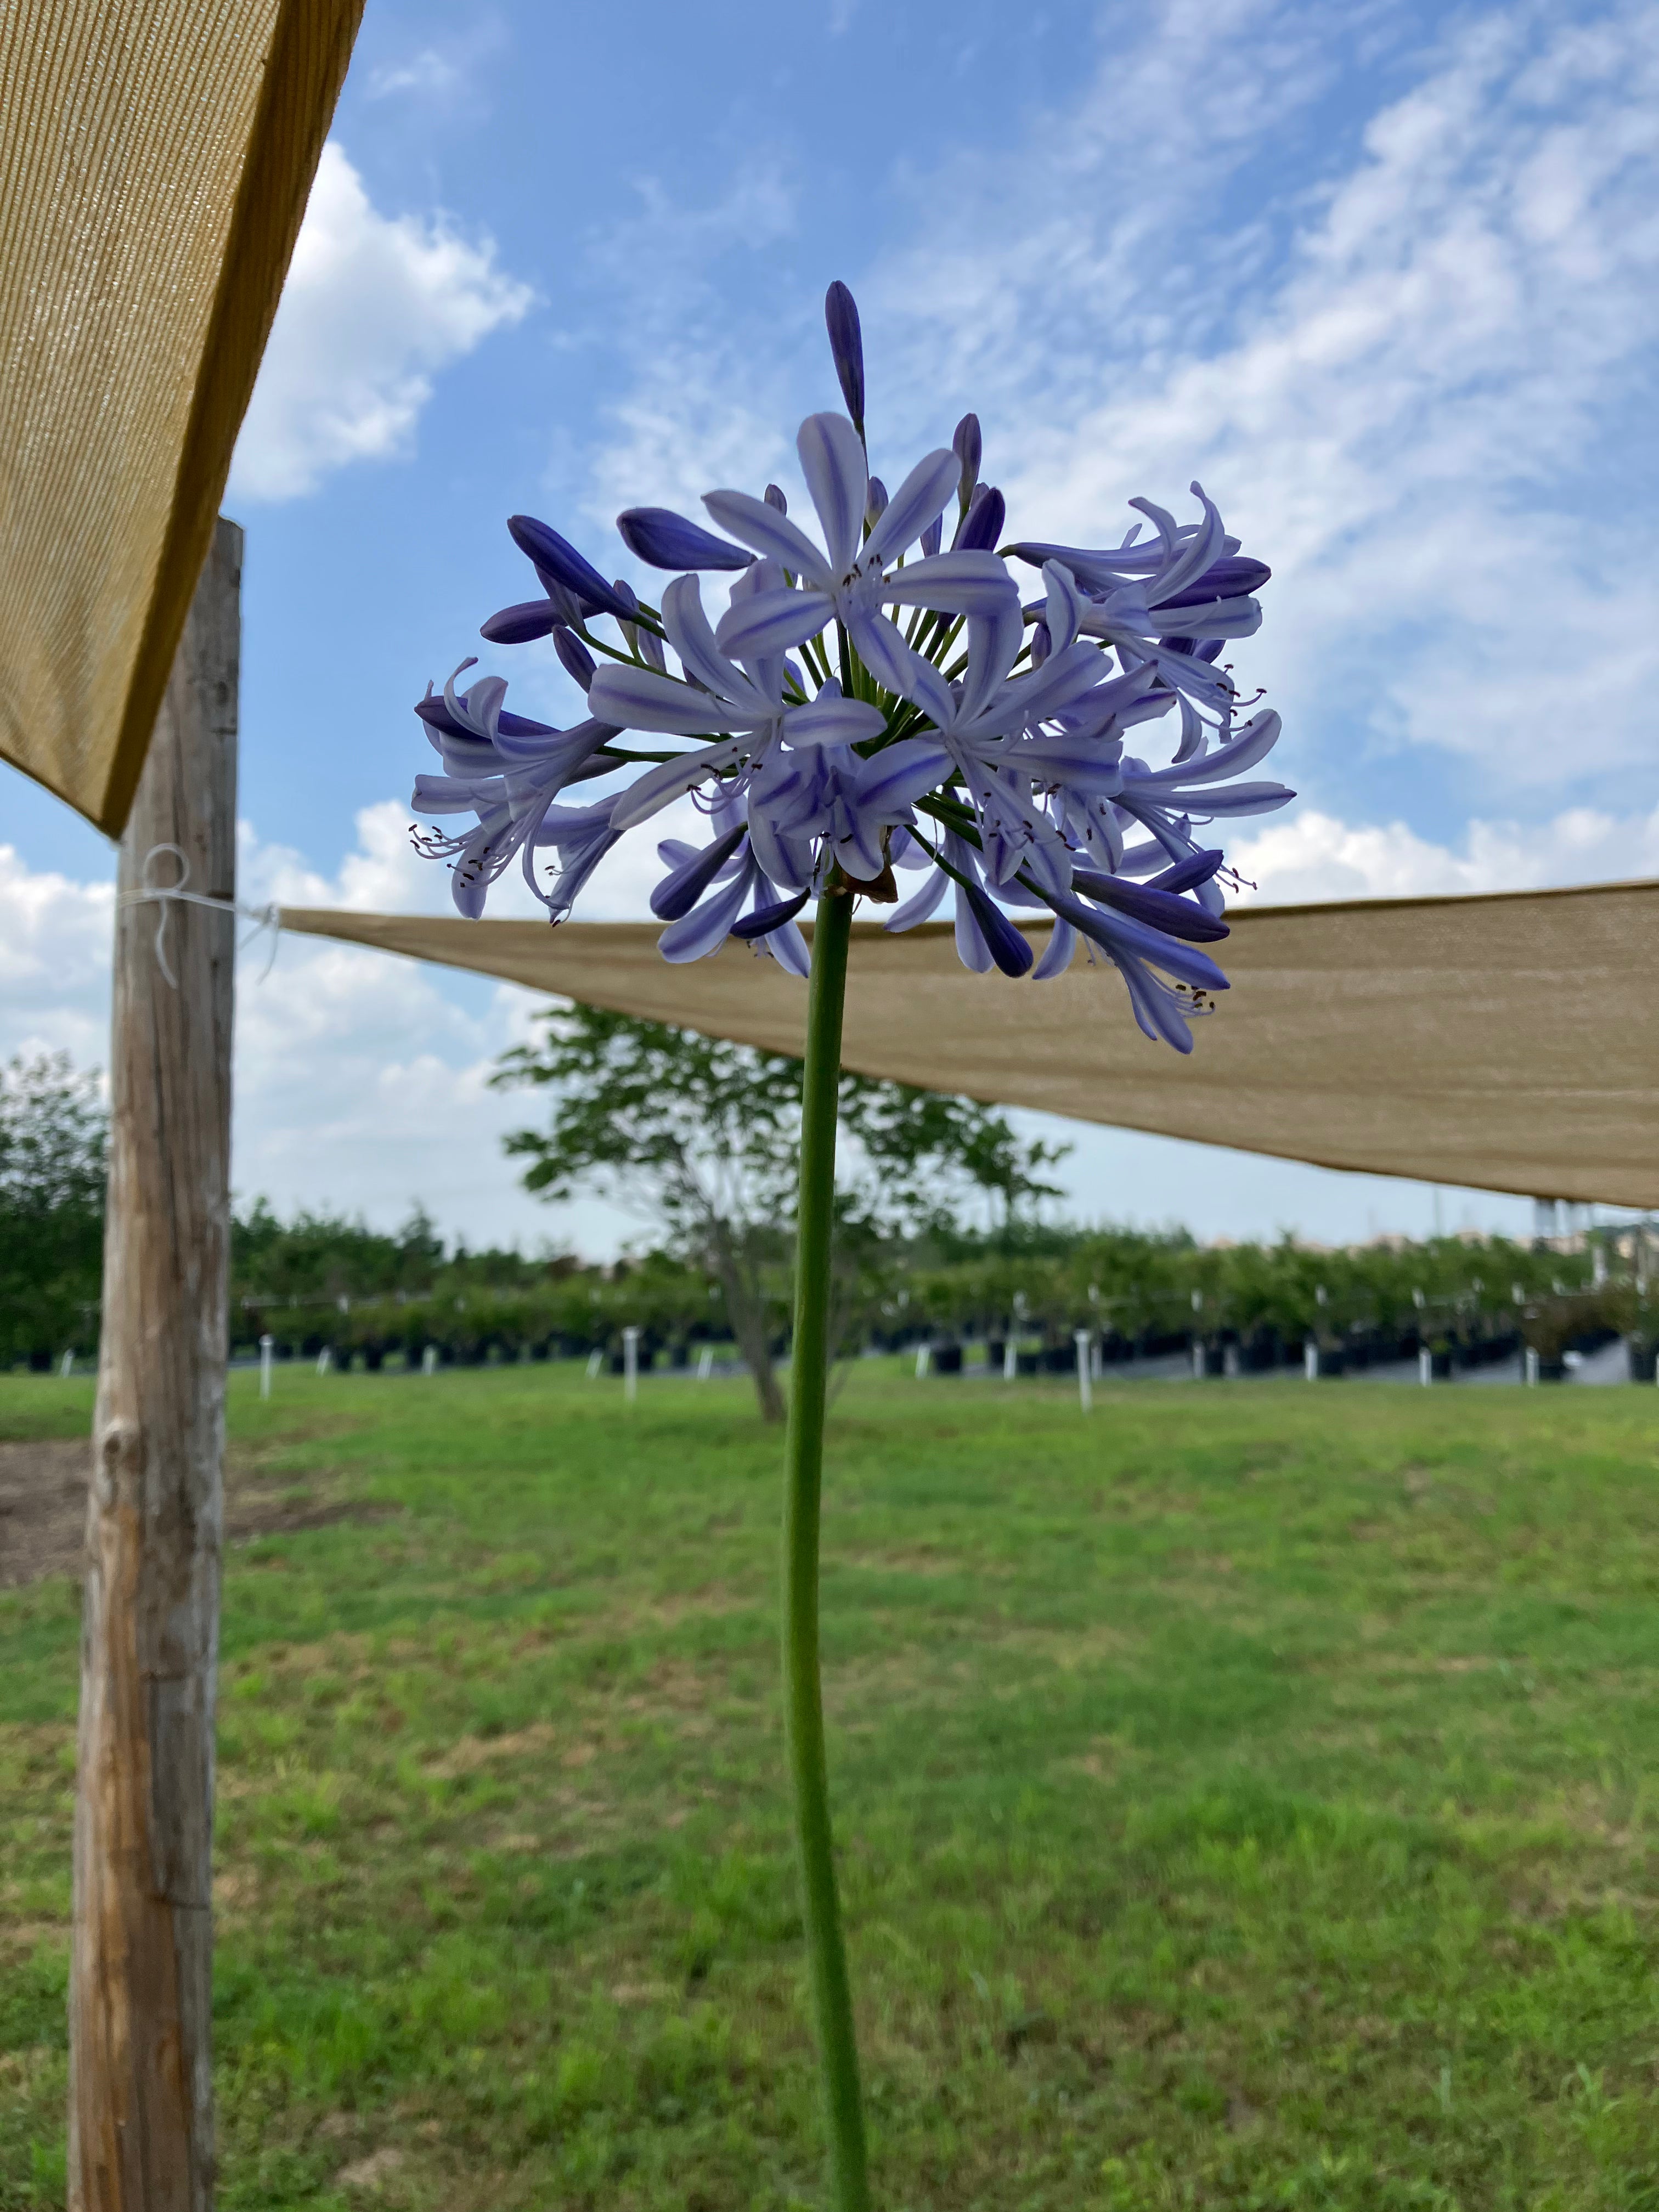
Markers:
point(141, 2109)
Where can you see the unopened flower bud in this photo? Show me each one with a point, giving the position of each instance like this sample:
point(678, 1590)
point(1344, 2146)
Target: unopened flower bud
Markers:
point(841, 317)
point(965, 445)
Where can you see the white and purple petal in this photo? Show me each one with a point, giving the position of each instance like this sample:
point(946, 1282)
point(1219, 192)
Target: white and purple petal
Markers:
point(919, 500)
point(758, 523)
point(636, 699)
point(671, 780)
point(829, 719)
point(838, 478)
point(771, 622)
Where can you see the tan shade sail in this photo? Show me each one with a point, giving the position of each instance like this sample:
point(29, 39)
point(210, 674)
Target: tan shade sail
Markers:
point(155, 161)
point(1499, 1042)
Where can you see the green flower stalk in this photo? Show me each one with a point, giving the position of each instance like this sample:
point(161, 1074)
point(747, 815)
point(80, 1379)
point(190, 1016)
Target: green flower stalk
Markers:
point(832, 2000)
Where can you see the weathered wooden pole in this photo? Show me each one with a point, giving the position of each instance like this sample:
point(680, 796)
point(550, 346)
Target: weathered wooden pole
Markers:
point(141, 2106)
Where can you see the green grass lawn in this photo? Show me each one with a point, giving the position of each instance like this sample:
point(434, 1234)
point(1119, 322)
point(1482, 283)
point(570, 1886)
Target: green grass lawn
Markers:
point(1245, 1799)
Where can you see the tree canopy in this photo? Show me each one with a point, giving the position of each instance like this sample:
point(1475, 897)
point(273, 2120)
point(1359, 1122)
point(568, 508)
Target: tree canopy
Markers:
point(701, 1136)
point(53, 1137)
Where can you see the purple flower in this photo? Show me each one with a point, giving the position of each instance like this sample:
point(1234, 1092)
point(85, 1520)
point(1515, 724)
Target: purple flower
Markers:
point(502, 767)
point(746, 703)
point(1153, 601)
point(849, 581)
point(1139, 952)
point(704, 893)
point(865, 702)
point(582, 836)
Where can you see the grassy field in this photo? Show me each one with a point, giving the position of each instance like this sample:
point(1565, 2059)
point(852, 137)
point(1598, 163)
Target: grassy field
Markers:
point(1246, 1799)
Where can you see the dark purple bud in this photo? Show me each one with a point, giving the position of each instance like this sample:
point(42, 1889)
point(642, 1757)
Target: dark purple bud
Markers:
point(841, 317)
point(1234, 579)
point(765, 918)
point(1185, 875)
point(1042, 645)
point(875, 501)
point(965, 445)
point(1008, 948)
point(437, 716)
point(1175, 917)
point(776, 498)
point(518, 625)
point(933, 534)
point(564, 564)
point(979, 529)
point(578, 660)
point(663, 539)
point(678, 893)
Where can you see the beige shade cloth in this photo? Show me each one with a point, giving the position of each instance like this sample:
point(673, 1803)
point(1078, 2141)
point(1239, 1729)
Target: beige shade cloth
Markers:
point(1494, 1042)
point(155, 159)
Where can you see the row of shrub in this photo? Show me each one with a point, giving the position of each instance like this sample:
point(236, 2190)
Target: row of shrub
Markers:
point(1252, 1306)
point(676, 1316)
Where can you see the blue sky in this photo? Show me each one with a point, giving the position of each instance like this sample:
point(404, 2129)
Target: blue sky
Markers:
point(1382, 277)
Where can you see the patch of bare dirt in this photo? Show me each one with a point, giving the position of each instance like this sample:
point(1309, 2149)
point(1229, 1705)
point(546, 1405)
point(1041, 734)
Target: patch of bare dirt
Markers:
point(43, 1510)
point(372, 2173)
point(468, 1752)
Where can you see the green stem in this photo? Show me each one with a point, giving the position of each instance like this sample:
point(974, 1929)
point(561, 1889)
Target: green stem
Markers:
point(832, 2001)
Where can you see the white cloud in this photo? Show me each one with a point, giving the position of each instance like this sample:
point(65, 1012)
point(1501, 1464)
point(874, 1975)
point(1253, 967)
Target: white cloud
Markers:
point(426, 72)
point(703, 406)
point(1408, 409)
point(446, 69)
point(373, 307)
point(385, 875)
point(54, 962)
point(362, 1079)
point(1307, 854)
point(1410, 360)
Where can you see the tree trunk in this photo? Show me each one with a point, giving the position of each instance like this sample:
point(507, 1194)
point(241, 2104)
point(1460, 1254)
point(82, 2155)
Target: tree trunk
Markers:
point(141, 2112)
point(747, 1312)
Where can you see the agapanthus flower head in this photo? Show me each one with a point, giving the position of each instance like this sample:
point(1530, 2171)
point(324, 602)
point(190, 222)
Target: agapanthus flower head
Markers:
point(868, 700)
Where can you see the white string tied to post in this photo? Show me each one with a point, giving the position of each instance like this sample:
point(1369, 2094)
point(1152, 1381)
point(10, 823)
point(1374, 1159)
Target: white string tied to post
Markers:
point(167, 895)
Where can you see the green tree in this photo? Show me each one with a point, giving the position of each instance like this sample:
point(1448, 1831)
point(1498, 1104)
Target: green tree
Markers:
point(701, 1135)
point(54, 1133)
